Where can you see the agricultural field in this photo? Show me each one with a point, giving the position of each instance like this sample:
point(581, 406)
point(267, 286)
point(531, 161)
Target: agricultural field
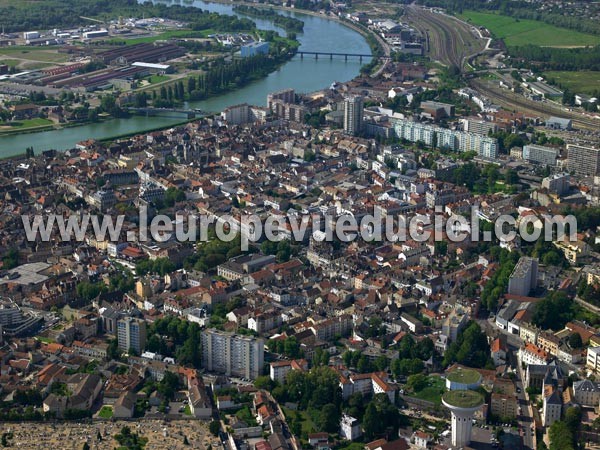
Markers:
point(516, 32)
point(582, 82)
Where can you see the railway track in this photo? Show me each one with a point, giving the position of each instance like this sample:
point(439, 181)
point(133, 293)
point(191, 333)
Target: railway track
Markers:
point(448, 41)
point(451, 42)
point(510, 100)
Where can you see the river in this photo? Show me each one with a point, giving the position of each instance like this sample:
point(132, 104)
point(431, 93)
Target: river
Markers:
point(304, 75)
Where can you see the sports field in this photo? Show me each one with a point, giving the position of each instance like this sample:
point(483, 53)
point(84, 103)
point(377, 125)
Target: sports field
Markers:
point(582, 82)
point(515, 32)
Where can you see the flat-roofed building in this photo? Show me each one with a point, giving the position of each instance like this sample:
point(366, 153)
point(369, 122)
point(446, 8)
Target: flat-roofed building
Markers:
point(540, 154)
point(583, 161)
point(231, 354)
point(523, 277)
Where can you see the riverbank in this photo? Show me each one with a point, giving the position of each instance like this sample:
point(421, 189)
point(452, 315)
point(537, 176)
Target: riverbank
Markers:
point(304, 75)
point(150, 130)
point(379, 47)
point(347, 23)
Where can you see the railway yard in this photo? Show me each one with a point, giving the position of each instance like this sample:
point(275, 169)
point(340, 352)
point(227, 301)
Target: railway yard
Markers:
point(453, 42)
point(449, 40)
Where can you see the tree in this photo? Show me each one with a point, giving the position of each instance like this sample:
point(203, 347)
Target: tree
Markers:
point(370, 421)
point(11, 259)
point(265, 382)
point(364, 365)
point(560, 436)
point(382, 417)
point(417, 382)
point(554, 311)
point(575, 341)
point(113, 351)
point(168, 385)
point(86, 446)
point(130, 440)
point(329, 418)
point(214, 427)
point(291, 347)
point(470, 348)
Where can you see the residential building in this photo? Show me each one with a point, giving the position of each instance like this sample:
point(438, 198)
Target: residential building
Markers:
point(548, 342)
point(254, 49)
point(540, 155)
point(587, 392)
point(523, 277)
point(233, 355)
point(593, 359)
point(353, 114)
point(583, 161)
point(131, 334)
point(431, 135)
point(559, 183)
point(349, 428)
point(278, 370)
point(532, 354)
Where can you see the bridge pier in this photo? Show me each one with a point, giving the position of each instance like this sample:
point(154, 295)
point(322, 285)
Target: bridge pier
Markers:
point(330, 56)
point(301, 55)
point(346, 58)
point(360, 58)
point(316, 56)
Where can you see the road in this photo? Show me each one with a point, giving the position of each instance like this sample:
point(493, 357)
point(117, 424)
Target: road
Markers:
point(525, 418)
point(526, 422)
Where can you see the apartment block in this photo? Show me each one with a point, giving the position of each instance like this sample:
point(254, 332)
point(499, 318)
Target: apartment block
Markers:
point(232, 355)
point(583, 161)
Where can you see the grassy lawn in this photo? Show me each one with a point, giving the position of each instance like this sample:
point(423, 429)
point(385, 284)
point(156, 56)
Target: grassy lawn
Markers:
point(34, 54)
point(45, 339)
point(166, 35)
point(106, 412)
point(306, 422)
point(27, 123)
point(246, 415)
point(353, 446)
point(584, 82)
point(517, 32)
point(24, 124)
point(433, 392)
point(10, 62)
point(187, 411)
point(158, 79)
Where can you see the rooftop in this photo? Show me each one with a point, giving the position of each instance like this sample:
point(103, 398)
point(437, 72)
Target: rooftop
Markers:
point(463, 399)
point(465, 376)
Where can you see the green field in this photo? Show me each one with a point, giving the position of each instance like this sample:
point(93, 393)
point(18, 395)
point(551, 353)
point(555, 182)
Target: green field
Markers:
point(516, 32)
point(24, 124)
point(158, 79)
point(433, 392)
point(582, 82)
point(48, 54)
point(165, 36)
